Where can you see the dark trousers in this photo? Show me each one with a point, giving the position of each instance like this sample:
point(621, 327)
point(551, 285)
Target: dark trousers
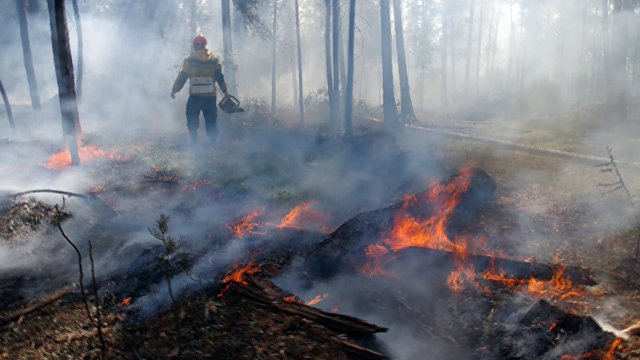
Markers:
point(207, 105)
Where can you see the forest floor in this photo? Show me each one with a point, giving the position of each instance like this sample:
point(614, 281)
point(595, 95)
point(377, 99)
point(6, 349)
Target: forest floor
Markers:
point(547, 209)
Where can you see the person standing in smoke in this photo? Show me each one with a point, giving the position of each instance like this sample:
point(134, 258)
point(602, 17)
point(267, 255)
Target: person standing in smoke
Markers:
point(203, 70)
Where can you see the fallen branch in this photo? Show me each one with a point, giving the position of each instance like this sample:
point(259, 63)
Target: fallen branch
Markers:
point(52, 191)
point(341, 323)
point(16, 314)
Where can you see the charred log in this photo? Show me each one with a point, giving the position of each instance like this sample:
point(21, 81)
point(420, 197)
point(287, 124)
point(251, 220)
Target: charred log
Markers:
point(344, 249)
point(513, 269)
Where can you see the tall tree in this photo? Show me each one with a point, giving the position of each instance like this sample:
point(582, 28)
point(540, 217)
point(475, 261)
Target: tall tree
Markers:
point(26, 53)
point(273, 56)
point(388, 97)
point(406, 104)
point(348, 102)
point(479, 44)
point(327, 56)
point(193, 19)
point(7, 106)
point(80, 68)
point(299, 48)
point(229, 66)
point(336, 60)
point(64, 74)
point(443, 52)
point(33, 6)
point(469, 46)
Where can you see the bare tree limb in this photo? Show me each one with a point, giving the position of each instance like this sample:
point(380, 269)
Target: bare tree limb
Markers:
point(84, 295)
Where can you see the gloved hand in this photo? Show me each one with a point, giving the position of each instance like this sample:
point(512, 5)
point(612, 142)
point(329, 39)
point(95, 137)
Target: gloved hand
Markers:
point(173, 95)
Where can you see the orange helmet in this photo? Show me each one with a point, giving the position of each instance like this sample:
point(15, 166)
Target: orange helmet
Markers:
point(200, 40)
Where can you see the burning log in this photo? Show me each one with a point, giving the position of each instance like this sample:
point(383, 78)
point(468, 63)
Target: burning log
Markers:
point(345, 248)
point(510, 269)
point(419, 230)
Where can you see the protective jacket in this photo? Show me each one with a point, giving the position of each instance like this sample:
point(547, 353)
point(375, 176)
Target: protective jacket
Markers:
point(203, 70)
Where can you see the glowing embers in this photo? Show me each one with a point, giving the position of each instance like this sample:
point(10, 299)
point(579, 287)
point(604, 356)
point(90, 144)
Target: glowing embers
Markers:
point(248, 225)
point(62, 159)
point(294, 299)
point(304, 216)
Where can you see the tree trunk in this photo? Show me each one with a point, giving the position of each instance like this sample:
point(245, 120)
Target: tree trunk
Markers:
point(193, 23)
point(469, 46)
point(229, 65)
point(299, 47)
point(7, 106)
point(33, 6)
point(327, 55)
point(406, 104)
point(26, 53)
point(64, 74)
point(80, 67)
point(494, 48)
point(388, 97)
point(273, 57)
point(604, 31)
point(512, 39)
point(443, 52)
point(452, 45)
point(341, 56)
point(336, 62)
point(348, 99)
point(479, 47)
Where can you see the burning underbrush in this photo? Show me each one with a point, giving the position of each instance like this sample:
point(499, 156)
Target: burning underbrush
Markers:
point(257, 270)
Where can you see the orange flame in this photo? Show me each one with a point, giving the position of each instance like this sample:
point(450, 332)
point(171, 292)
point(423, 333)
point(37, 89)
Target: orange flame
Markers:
point(612, 349)
point(62, 159)
point(247, 225)
point(293, 299)
point(377, 260)
point(304, 216)
point(125, 302)
point(558, 287)
point(317, 299)
point(411, 231)
point(587, 356)
point(237, 275)
point(499, 276)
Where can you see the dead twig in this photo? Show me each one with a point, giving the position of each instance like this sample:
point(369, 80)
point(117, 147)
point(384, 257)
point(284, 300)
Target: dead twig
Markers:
point(611, 166)
point(84, 295)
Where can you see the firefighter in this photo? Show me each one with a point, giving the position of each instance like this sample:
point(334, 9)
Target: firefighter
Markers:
point(203, 70)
